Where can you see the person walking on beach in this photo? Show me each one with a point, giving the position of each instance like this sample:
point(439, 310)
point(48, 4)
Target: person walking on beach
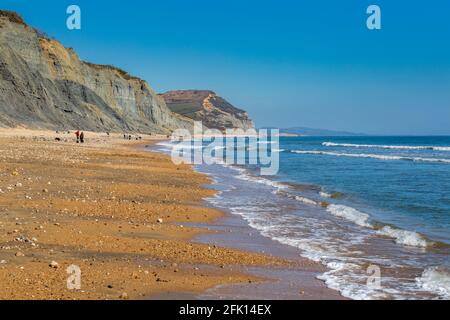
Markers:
point(77, 134)
point(82, 137)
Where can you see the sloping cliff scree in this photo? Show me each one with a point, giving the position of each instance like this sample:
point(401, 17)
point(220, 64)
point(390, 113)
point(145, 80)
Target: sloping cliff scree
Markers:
point(45, 85)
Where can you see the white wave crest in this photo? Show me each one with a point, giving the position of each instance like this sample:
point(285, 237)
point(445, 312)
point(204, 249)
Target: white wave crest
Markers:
point(306, 200)
point(325, 194)
point(350, 214)
point(245, 176)
point(404, 237)
point(351, 145)
point(436, 280)
point(372, 156)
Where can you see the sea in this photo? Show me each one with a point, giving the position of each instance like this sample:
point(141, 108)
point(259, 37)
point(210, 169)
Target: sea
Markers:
point(374, 210)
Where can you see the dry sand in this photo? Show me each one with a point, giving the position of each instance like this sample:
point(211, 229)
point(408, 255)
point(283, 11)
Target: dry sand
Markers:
point(113, 210)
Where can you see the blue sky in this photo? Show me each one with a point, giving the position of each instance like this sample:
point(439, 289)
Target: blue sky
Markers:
point(289, 63)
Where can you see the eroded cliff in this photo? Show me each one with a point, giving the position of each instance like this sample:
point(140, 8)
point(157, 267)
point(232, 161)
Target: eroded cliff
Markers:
point(208, 107)
point(45, 85)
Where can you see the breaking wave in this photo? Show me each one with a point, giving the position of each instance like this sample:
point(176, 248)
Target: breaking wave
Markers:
point(350, 214)
point(372, 156)
point(404, 237)
point(436, 280)
point(351, 145)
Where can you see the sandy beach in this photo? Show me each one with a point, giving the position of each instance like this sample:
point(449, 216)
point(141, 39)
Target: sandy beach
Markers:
point(117, 212)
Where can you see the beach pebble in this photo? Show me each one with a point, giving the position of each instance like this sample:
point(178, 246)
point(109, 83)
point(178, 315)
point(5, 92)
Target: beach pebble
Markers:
point(45, 190)
point(3, 262)
point(160, 220)
point(54, 265)
point(124, 296)
point(20, 254)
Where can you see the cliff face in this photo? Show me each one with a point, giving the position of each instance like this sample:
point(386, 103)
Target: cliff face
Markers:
point(208, 107)
point(45, 85)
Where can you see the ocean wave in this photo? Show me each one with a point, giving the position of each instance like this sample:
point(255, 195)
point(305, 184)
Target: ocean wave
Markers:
point(177, 146)
point(335, 279)
point(325, 194)
point(372, 156)
point(351, 145)
point(165, 144)
point(350, 214)
point(404, 237)
point(320, 239)
point(333, 195)
point(247, 177)
point(306, 201)
point(436, 280)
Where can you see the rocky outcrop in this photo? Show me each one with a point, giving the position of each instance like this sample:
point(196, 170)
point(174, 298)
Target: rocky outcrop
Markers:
point(45, 85)
point(208, 107)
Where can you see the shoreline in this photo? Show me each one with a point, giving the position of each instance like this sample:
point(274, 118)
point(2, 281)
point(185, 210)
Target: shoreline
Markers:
point(120, 214)
point(294, 282)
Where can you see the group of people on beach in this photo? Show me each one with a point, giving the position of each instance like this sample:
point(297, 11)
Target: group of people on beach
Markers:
point(129, 137)
point(80, 136)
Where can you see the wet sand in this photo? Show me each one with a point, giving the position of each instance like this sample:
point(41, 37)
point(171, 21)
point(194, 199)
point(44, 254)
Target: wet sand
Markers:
point(290, 282)
point(121, 214)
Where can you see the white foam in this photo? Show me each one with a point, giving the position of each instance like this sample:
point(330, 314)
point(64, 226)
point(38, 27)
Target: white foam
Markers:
point(165, 144)
point(336, 279)
point(350, 214)
point(404, 237)
point(351, 145)
point(315, 237)
point(247, 177)
point(324, 194)
point(436, 280)
point(306, 200)
point(373, 156)
point(178, 146)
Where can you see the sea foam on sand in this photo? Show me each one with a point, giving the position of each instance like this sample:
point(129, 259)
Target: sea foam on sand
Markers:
point(437, 280)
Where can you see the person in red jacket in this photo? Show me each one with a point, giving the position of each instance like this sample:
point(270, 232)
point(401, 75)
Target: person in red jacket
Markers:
point(77, 133)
